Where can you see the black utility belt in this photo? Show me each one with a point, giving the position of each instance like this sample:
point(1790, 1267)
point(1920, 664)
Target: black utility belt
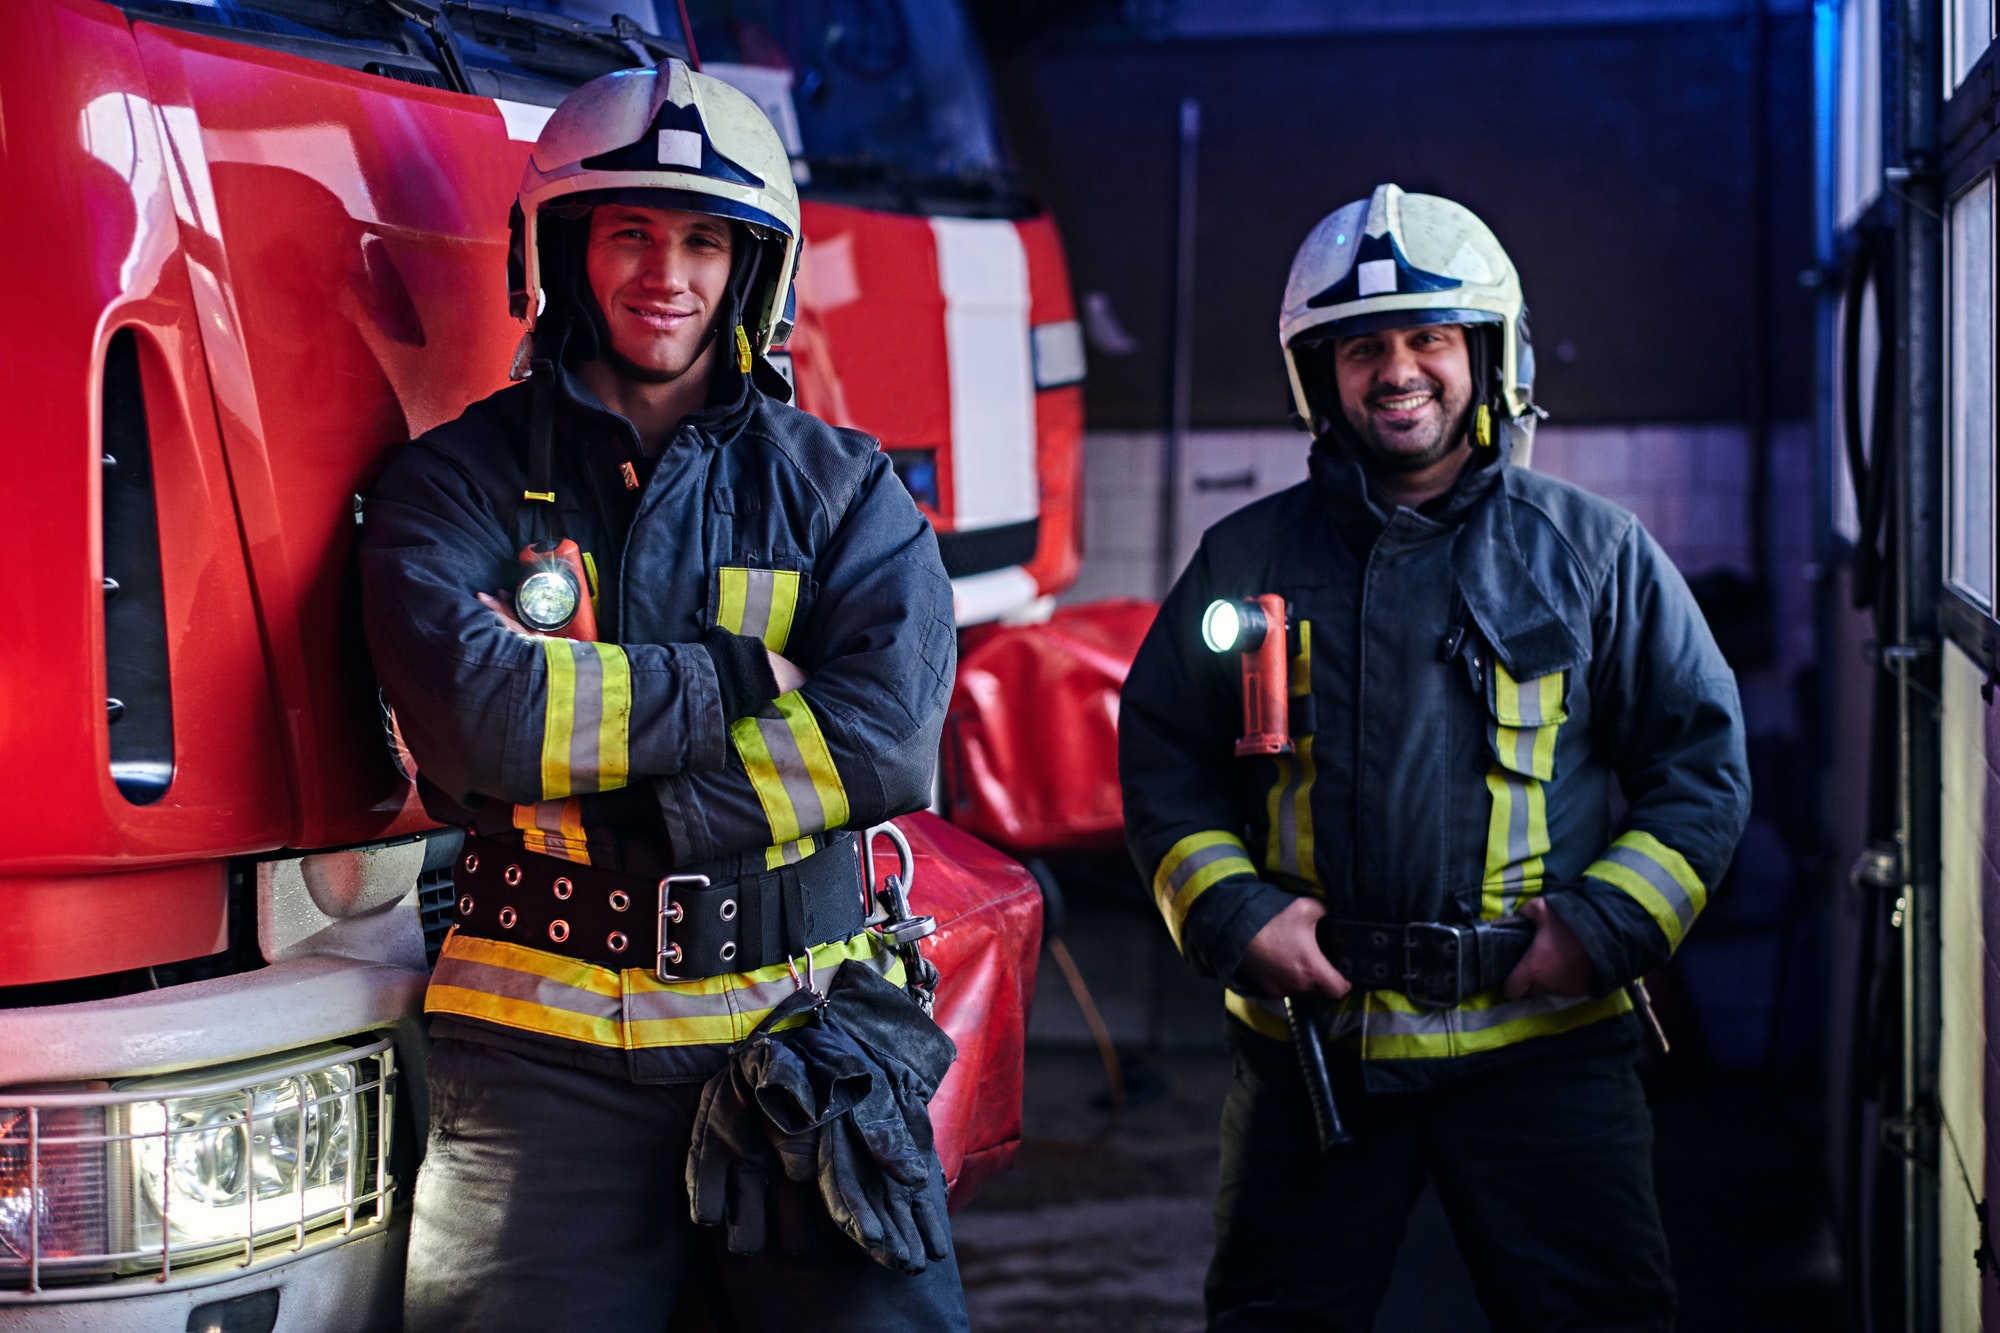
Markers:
point(1437, 964)
point(683, 926)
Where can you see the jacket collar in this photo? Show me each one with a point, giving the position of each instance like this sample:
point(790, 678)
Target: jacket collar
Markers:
point(1503, 594)
point(732, 397)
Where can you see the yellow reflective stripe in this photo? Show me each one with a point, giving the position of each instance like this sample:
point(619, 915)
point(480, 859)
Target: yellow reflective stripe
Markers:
point(536, 991)
point(587, 718)
point(558, 719)
point(1659, 877)
point(590, 573)
point(1397, 1029)
point(675, 1013)
point(757, 602)
point(1517, 838)
point(790, 853)
point(1302, 662)
point(554, 828)
point(791, 769)
point(1262, 1016)
point(1192, 865)
point(614, 727)
point(1288, 810)
point(1537, 703)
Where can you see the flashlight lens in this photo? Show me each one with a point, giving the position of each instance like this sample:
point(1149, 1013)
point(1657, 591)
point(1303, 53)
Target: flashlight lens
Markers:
point(1221, 626)
point(546, 600)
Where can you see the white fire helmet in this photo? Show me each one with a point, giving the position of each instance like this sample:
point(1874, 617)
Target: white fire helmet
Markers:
point(691, 142)
point(1394, 260)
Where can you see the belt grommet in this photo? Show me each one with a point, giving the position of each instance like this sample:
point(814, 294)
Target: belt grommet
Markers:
point(558, 931)
point(465, 905)
point(674, 954)
point(727, 951)
point(620, 900)
point(507, 918)
point(616, 941)
point(1379, 940)
point(564, 888)
point(674, 912)
point(728, 909)
point(471, 863)
point(512, 875)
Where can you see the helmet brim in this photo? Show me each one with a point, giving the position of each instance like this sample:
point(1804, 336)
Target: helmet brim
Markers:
point(1377, 321)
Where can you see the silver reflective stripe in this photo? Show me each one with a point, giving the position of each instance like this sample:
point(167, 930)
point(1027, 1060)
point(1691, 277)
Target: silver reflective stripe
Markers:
point(510, 984)
point(1513, 879)
point(1439, 1022)
point(1657, 875)
point(648, 1004)
point(757, 602)
point(1195, 860)
point(790, 763)
point(1524, 749)
point(589, 718)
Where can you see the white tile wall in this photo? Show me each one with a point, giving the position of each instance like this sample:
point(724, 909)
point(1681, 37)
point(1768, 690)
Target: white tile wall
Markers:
point(1689, 484)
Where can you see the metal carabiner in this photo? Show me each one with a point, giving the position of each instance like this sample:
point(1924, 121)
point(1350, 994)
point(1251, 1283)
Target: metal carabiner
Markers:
point(890, 915)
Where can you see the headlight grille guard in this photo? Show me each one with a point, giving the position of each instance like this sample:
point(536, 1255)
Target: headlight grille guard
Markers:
point(37, 1127)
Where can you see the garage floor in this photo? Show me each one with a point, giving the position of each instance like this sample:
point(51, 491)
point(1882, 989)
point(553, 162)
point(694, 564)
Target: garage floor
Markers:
point(1105, 1225)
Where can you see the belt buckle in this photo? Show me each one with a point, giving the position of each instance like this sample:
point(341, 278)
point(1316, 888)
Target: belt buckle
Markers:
point(670, 911)
point(1454, 947)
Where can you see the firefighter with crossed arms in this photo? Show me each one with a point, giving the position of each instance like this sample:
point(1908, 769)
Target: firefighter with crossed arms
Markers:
point(658, 641)
point(1435, 864)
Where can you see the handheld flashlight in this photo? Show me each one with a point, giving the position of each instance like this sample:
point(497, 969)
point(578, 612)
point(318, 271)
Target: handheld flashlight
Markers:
point(552, 597)
point(1254, 629)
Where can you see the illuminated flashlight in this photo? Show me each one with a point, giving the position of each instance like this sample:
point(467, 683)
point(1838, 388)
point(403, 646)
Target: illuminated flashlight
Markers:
point(551, 597)
point(1254, 629)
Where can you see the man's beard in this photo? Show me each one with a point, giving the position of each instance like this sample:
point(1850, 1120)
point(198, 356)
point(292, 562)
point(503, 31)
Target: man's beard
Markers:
point(1380, 451)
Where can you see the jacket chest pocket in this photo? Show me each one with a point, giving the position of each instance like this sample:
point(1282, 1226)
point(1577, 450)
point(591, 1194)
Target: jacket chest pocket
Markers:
point(758, 601)
point(1523, 717)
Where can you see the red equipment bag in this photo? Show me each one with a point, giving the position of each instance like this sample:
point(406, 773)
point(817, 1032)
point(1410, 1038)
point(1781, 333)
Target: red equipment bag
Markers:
point(1031, 740)
point(989, 938)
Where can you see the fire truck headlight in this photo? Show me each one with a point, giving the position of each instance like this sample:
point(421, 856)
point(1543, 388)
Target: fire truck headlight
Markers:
point(1230, 626)
point(152, 1173)
point(547, 600)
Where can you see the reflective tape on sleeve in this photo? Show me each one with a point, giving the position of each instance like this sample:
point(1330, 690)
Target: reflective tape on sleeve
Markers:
point(587, 719)
point(791, 769)
point(1659, 877)
point(1190, 867)
point(757, 602)
point(554, 828)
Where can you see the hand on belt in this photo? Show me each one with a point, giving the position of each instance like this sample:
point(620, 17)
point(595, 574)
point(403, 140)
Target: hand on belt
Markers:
point(1436, 964)
point(683, 926)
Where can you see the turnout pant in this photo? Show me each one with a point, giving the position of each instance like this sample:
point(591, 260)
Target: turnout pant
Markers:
point(1544, 1167)
point(556, 1199)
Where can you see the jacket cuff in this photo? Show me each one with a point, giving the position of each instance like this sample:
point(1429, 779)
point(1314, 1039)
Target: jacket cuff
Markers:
point(1609, 956)
point(1222, 923)
point(742, 672)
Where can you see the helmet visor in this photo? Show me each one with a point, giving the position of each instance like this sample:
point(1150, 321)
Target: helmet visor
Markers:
point(1378, 320)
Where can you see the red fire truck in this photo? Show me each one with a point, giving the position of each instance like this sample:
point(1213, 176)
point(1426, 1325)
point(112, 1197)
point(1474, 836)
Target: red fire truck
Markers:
point(253, 244)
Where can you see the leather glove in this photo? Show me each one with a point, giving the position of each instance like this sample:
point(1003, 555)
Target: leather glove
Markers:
point(757, 1129)
point(877, 1162)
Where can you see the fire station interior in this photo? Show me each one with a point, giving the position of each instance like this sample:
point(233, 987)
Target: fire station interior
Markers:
point(1757, 242)
point(1650, 164)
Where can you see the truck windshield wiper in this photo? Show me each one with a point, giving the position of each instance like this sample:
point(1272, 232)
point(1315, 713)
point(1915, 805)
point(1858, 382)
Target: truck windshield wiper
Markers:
point(623, 34)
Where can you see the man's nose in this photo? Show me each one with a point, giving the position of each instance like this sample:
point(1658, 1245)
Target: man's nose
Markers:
point(1399, 365)
point(667, 267)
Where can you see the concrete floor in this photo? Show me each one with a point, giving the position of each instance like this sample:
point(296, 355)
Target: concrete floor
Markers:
point(1105, 1225)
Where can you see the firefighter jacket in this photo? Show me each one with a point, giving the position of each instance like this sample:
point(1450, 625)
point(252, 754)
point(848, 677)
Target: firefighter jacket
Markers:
point(627, 753)
point(1465, 682)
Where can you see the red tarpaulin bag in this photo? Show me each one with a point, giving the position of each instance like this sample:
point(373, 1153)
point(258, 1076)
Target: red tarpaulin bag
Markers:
point(988, 940)
point(1031, 740)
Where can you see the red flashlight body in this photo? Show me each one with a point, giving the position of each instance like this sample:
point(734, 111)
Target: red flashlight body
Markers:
point(583, 625)
point(1267, 711)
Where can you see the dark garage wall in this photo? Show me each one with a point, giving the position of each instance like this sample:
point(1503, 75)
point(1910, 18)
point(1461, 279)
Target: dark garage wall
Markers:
point(1616, 163)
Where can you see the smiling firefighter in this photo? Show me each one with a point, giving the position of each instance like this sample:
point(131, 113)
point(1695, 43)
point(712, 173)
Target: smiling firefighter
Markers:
point(659, 642)
point(1430, 917)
